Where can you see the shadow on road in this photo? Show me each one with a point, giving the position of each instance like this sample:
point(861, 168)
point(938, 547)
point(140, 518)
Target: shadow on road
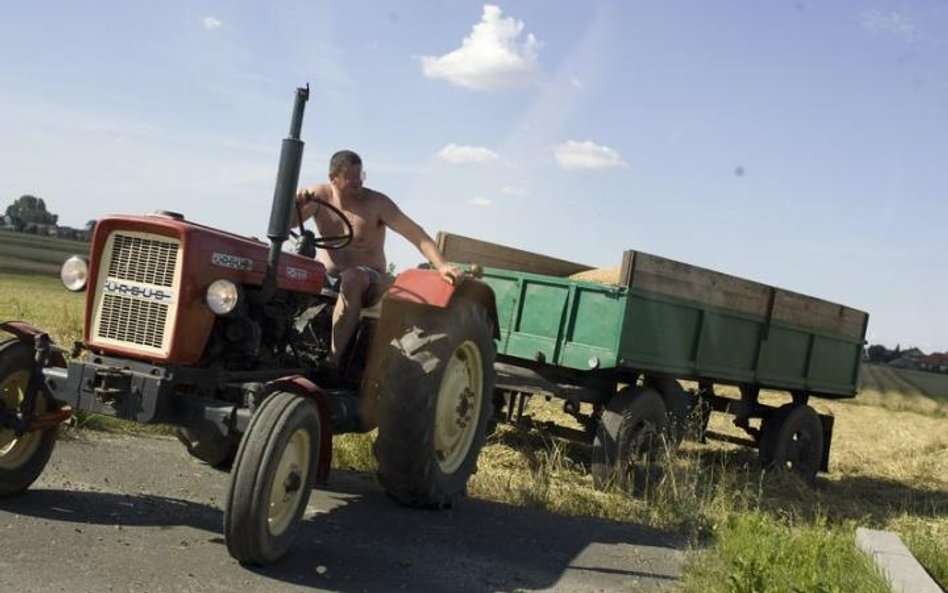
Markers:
point(478, 546)
point(353, 538)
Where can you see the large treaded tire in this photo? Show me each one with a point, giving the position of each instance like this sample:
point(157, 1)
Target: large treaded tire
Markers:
point(273, 475)
point(22, 459)
point(630, 439)
point(435, 390)
point(792, 440)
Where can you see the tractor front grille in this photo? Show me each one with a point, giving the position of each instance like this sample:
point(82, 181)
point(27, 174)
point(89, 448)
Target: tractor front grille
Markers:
point(136, 295)
point(143, 260)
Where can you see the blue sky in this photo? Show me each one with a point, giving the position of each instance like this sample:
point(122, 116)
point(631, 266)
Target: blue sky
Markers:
point(800, 144)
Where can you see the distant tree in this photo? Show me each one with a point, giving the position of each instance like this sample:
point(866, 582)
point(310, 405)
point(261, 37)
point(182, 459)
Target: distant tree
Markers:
point(31, 209)
point(877, 353)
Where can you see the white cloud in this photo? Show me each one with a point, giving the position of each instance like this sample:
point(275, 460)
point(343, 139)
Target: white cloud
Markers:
point(587, 155)
point(881, 21)
point(210, 23)
point(576, 83)
point(459, 154)
point(491, 58)
point(479, 201)
point(513, 190)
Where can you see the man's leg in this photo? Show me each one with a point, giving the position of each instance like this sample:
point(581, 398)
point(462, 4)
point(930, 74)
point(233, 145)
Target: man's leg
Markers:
point(352, 286)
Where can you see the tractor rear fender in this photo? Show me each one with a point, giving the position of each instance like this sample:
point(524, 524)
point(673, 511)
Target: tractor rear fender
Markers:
point(426, 287)
point(27, 333)
point(304, 387)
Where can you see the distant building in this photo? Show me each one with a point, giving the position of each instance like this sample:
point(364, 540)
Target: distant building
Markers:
point(913, 354)
point(935, 362)
point(66, 232)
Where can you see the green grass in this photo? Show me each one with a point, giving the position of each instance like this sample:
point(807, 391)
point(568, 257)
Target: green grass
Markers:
point(31, 254)
point(888, 470)
point(755, 552)
point(43, 302)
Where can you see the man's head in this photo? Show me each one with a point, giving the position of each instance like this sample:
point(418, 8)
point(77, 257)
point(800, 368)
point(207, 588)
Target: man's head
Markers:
point(345, 172)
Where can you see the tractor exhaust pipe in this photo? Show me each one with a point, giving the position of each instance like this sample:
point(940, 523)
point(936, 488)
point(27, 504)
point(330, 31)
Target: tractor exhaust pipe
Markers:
point(284, 194)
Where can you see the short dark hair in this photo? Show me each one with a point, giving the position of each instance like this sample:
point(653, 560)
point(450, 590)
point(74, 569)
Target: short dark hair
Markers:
point(343, 159)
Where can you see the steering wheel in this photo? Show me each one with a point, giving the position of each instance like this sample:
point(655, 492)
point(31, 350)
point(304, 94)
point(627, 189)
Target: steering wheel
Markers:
point(308, 242)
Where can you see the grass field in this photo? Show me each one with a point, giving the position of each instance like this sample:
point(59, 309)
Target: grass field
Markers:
point(750, 532)
point(31, 254)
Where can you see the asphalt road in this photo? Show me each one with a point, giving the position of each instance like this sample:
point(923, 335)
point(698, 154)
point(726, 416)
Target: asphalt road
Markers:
point(138, 514)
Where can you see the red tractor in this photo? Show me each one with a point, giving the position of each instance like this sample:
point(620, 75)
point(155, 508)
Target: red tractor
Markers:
point(223, 336)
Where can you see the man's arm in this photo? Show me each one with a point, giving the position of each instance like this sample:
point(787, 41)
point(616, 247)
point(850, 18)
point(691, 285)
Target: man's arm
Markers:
point(304, 201)
point(399, 222)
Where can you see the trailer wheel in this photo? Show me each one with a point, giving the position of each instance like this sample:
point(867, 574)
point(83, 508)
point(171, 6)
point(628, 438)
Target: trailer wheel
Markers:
point(630, 439)
point(792, 440)
point(273, 475)
point(23, 458)
point(206, 444)
point(436, 384)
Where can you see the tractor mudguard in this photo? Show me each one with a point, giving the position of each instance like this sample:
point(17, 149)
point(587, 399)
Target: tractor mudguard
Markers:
point(302, 386)
point(27, 333)
point(426, 287)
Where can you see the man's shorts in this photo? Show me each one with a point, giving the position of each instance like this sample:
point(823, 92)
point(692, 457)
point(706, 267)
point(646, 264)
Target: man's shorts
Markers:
point(372, 293)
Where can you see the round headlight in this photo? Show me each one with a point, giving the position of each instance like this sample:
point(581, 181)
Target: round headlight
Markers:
point(74, 273)
point(223, 296)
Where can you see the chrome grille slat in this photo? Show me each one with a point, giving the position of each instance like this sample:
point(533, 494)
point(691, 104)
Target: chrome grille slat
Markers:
point(132, 320)
point(143, 260)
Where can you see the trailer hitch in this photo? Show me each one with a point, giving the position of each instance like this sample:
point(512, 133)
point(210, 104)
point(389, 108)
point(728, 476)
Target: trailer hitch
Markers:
point(111, 386)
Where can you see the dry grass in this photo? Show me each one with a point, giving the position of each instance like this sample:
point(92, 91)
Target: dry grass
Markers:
point(888, 470)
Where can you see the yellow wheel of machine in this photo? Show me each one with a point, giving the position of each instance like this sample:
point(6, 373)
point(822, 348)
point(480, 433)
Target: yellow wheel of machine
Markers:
point(22, 458)
point(435, 391)
point(272, 478)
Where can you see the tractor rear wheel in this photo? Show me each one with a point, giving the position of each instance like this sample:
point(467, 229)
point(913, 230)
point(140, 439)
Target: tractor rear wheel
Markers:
point(22, 458)
point(273, 475)
point(435, 389)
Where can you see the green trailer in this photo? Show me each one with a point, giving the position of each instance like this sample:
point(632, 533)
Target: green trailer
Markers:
point(625, 344)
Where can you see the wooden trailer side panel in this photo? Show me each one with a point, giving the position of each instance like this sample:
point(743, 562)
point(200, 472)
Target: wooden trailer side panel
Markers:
point(460, 249)
point(697, 322)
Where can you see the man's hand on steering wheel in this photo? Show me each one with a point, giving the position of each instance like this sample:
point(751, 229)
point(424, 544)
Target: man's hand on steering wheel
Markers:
point(306, 196)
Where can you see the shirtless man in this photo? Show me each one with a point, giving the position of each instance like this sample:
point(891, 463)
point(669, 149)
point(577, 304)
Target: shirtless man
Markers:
point(361, 265)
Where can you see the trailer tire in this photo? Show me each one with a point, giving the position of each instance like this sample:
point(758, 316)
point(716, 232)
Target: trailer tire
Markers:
point(23, 458)
point(792, 440)
point(681, 408)
point(436, 386)
point(629, 441)
point(208, 445)
point(273, 476)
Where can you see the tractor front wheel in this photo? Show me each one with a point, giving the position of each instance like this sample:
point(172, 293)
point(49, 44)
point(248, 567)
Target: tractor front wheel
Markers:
point(22, 458)
point(436, 383)
point(272, 478)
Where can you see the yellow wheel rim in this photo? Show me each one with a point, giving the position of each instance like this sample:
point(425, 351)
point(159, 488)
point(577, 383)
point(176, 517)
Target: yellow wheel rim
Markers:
point(289, 482)
point(459, 406)
point(15, 451)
